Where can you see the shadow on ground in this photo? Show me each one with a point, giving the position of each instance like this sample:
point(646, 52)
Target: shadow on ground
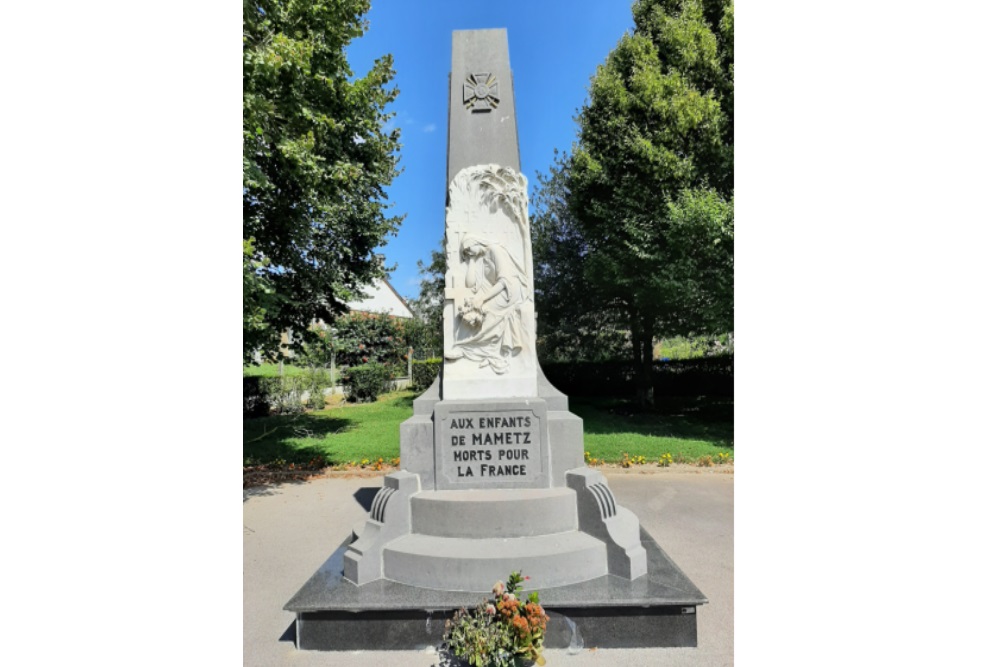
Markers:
point(267, 483)
point(403, 400)
point(278, 438)
point(366, 496)
point(703, 417)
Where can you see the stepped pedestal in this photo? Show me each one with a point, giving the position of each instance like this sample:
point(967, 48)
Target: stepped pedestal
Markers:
point(425, 551)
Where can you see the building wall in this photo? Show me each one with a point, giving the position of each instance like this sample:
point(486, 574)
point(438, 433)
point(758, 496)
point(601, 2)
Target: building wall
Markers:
point(382, 298)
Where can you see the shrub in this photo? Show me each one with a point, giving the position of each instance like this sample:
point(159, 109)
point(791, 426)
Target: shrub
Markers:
point(502, 630)
point(707, 376)
point(362, 338)
point(255, 402)
point(424, 373)
point(696, 347)
point(316, 381)
point(365, 383)
point(284, 394)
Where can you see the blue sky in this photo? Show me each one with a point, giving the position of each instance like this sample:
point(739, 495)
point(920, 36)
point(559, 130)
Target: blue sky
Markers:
point(555, 47)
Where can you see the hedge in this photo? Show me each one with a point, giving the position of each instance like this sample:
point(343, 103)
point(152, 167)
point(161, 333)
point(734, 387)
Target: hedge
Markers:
point(706, 376)
point(424, 373)
point(283, 395)
point(366, 382)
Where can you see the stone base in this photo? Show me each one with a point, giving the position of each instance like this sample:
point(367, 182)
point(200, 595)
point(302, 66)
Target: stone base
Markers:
point(657, 609)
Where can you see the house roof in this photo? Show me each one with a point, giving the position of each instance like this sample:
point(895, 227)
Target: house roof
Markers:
point(381, 297)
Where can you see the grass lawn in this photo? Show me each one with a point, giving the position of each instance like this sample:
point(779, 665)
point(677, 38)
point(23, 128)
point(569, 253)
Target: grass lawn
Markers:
point(271, 371)
point(342, 434)
point(686, 428)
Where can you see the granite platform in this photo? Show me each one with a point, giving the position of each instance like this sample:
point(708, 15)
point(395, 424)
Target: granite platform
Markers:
point(658, 609)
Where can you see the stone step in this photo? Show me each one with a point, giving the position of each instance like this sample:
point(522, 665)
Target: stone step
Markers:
point(494, 512)
point(460, 564)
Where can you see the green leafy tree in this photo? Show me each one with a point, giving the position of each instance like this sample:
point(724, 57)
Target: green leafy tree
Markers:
point(361, 338)
point(317, 159)
point(429, 306)
point(571, 326)
point(651, 177)
point(426, 339)
point(257, 297)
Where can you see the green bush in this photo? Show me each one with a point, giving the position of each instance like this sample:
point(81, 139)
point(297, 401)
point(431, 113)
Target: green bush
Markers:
point(424, 373)
point(366, 382)
point(363, 338)
point(696, 347)
point(284, 394)
point(316, 381)
point(707, 376)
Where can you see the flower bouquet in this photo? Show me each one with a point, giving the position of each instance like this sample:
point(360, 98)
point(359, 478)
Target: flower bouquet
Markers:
point(470, 314)
point(503, 631)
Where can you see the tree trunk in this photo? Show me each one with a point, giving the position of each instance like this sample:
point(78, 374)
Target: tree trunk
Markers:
point(645, 386)
point(642, 357)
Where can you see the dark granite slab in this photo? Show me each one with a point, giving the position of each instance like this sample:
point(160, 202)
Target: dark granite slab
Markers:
point(657, 609)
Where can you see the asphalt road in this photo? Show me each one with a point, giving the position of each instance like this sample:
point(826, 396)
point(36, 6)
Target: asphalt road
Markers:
point(291, 529)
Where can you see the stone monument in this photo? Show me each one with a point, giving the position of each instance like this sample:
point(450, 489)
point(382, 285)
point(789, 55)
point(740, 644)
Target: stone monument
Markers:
point(492, 475)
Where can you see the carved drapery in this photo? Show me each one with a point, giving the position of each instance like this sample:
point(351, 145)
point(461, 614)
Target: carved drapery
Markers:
point(492, 310)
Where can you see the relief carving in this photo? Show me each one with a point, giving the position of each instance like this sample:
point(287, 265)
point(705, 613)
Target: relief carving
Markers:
point(492, 302)
point(479, 92)
point(499, 288)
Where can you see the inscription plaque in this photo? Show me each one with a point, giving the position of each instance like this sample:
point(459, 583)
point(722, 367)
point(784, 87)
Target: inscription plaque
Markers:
point(500, 448)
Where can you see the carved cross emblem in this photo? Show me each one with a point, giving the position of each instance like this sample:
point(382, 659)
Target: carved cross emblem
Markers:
point(480, 92)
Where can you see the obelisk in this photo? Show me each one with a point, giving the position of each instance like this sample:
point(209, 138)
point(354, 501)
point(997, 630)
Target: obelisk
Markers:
point(489, 316)
point(482, 125)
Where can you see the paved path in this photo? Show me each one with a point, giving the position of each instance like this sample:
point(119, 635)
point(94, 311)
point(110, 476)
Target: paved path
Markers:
point(291, 529)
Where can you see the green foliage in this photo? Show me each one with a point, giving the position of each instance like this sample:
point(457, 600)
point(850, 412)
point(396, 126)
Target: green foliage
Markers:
point(694, 347)
point(698, 376)
point(503, 630)
point(424, 337)
point(429, 307)
point(317, 159)
point(424, 373)
point(362, 338)
point(316, 350)
point(316, 400)
point(316, 381)
point(282, 395)
point(366, 382)
point(573, 325)
point(359, 338)
point(258, 297)
point(650, 185)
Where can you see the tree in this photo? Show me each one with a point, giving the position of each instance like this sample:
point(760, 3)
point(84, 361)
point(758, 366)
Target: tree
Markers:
point(429, 306)
point(651, 176)
point(570, 328)
point(316, 161)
